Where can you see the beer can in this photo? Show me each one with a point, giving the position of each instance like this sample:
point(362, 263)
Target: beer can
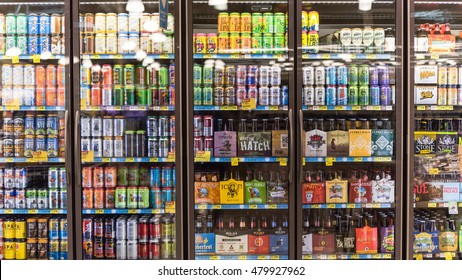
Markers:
point(10, 42)
point(19, 147)
point(63, 250)
point(110, 228)
point(20, 248)
point(384, 75)
point(308, 75)
point(122, 176)
point(98, 248)
point(442, 95)
point(320, 95)
point(32, 228)
point(53, 198)
point(9, 249)
point(121, 249)
point(122, 23)
point(363, 95)
point(109, 249)
point(154, 249)
point(44, 21)
point(31, 198)
point(257, 23)
point(121, 197)
point(263, 96)
point(374, 92)
point(386, 95)
point(109, 198)
point(62, 198)
point(363, 75)
point(53, 250)
point(44, 43)
point(132, 249)
point(442, 75)
point(20, 228)
point(87, 248)
point(118, 147)
point(353, 95)
point(119, 126)
point(98, 227)
point(166, 177)
point(331, 95)
point(18, 75)
point(342, 75)
point(373, 75)
point(198, 126)
point(33, 24)
point(320, 75)
point(31, 249)
point(198, 144)
point(98, 198)
point(53, 229)
point(42, 199)
point(308, 96)
point(275, 79)
point(275, 96)
point(42, 249)
point(9, 228)
point(459, 95)
point(87, 228)
point(331, 75)
point(342, 95)
point(87, 198)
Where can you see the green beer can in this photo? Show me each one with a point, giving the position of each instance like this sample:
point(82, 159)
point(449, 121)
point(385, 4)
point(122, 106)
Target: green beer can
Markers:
point(353, 75)
point(31, 198)
point(132, 197)
point(207, 96)
point(118, 96)
point(129, 95)
point(353, 95)
point(22, 43)
point(10, 24)
point(363, 75)
point(279, 23)
point(21, 24)
point(279, 42)
point(121, 197)
point(122, 176)
point(129, 75)
point(163, 76)
point(145, 178)
point(197, 75)
point(363, 95)
point(257, 43)
point(268, 23)
point(257, 23)
point(141, 95)
point(143, 197)
point(149, 97)
point(197, 96)
point(10, 42)
point(133, 176)
point(118, 75)
point(268, 41)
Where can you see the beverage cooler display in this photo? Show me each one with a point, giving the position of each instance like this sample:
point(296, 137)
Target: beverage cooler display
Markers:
point(435, 126)
point(242, 82)
point(349, 102)
point(126, 191)
point(34, 193)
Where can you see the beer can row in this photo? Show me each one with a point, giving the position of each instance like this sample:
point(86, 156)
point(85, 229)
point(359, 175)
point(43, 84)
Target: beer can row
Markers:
point(134, 237)
point(32, 24)
point(133, 175)
point(449, 75)
point(25, 147)
point(11, 178)
point(252, 22)
point(19, 124)
point(33, 75)
point(128, 75)
point(33, 44)
point(34, 198)
point(33, 96)
point(310, 21)
point(33, 238)
point(449, 95)
point(240, 43)
point(123, 23)
point(348, 95)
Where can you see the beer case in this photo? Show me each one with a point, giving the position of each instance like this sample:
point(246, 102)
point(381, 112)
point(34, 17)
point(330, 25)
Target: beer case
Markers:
point(426, 242)
point(366, 240)
point(279, 241)
point(424, 142)
point(231, 242)
point(323, 242)
point(336, 191)
point(387, 239)
point(205, 243)
point(426, 95)
point(421, 190)
point(435, 191)
point(360, 191)
point(383, 191)
point(277, 192)
point(280, 143)
point(313, 193)
point(426, 74)
point(337, 143)
point(451, 191)
point(441, 43)
point(448, 241)
point(307, 242)
point(360, 142)
point(231, 192)
point(315, 143)
point(254, 144)
point(207, 193)
point(460, 239)
point(382, 142)
point(447, 142)
point(258, 242)
point(224, 144)
point(255, 192)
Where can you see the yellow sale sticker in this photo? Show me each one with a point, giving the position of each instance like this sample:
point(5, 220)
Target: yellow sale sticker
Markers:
point(202, 156)
point(88, 156)
point(234, 161)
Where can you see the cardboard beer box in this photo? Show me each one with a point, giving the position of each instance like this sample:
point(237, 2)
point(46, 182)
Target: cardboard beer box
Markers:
point(366, 240)
point(205, 243)
point(315, 143)
point(307, 242)
point(207, 193)
point(231, 242)
point(280, 143)
point(360, 191)
point(279, 241)
point(254, 144)
point(323, 242)
point(225, 144)
point(435, 191)
point(258, 242)
point(424, 142)
point(337, 191)
point(255, 192)
point(426, 74)
point(231, 192)
point(383, 191)
point(313, 192)
point(387, 239)
point(447, 142)
point(426, 95)
point(426, 242)
point(337, 143)
point(382, 142)
point(421, 190)
point(441, 43)
point(451, 191)
point(360, 142)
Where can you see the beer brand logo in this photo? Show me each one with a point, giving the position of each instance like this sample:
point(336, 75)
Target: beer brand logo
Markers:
point(336, 191)
point(316, 141)
point(426, 94)
point(426, 74)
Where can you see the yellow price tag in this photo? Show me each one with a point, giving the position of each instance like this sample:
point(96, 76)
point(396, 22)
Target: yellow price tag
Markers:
point(235, 55)
point(356, 108)
point(371, 56)
point(118, 56)
point(434, 56)
point(249, 104)
point(170, 207)
point(153, 159)
point(448, 256)
point(99, 211)
point(351, 205)
point(40, 108)
point(106, 159)
point(15, 59)
point(202, 156)
point(376, 108)
point(171, 157)
point(202, 206)
point(419, 257)
point(40, 156)
point(164, 56)
point(316, 206)
point(214, 258)
point(274, 108)
point(355, 257)
point(88, 156)
point(376, 205)
point(275, 257)
point(130, 159)
point(253, 206)
point(13, 106)
point(32, 211)
point(208, 56)
point(273, 206)
point(164, 108)
point(131, 211)
point(95, 56)
point(216, 206)
point(329, 161)
point(323, 108)
point(325, 56)
point(331, 257)
point(331, 206)
point(9, 160)
point(283, 161)
point(303, 161)
point(262, 257)
point(432, 205)
point(339, 108)
point(358, 159)
point(54, 211)
point(421, 108)
point(242, 257)
point(434, 171)
point(8, 211)
point(36, 58)
point(234, 161)
point(308, 257)
point(376, 256)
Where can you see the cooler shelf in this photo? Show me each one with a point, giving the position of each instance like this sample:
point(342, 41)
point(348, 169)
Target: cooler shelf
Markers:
point(126, 56)
point(32, 108)
point(240, 206)
point(348, 56)
point(243, 257)
point(427, 204)
point(348, 108)
point(52, 160)
point(33, 211)
point(348, 205)
point(130, 159)
point(348, 159)
point(348, 257)
point(238, 108)
point(126, 211)
point(239, 56)
point(128, 108)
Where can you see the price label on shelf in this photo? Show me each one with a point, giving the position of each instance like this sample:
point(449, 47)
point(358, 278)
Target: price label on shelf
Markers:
point(54, 211)
point(32, 211)
point(282, 161)
point(325, 56)
point(339, 108)
point(40, 108)
point(434, 171)
point(36, 58)
point(164, 56)
point(118, 56)
point(242, 258)
point(262, 257)
point(88, 156)
point(217, 206)
point(371, 56)
point(434, 56)
point(40, 156)
point(235, 161)
point(153, 159)
point(323, 108)
point(432, 205)
point(419, 257)
point(13, 106)
point(273, 206)
point(202, 156)
point(376, 108)
point(421, 108)
point(351, 205)
point(358, 159)
point(331, 206)
point(330, 161)
point(448, 256)
point(316, 206)
point(130, 159)
point(202, 206)
point(106, 159)
point(275, 257)
point(274, 108)
point(356, 108)
point(235, 55)
point(8, 211)
point(171, 157)
point(95, 56)
point(170, 207)
point(303, 161)
point(249, 104)
point(99, 211)
point(214, 258)
point(253, 206)
point(15, 59)
point(131, 211)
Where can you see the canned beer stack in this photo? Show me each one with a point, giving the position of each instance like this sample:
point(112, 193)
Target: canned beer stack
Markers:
point(348, 85)
point(122, 33)
point(23, 135)
point(38, 238)
point(32, 33)
point(31, 85)
point(245, 33)
point(232, 84)
point(135, 237)
point(19, 189)
point(449, 84)
point(125, 187)
point(127, 85)
point(310, 32)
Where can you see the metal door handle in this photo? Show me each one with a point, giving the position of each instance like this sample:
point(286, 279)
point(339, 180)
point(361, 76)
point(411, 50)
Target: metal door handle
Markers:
point(66, 124)
point(300, 119)
point(77, 148)
point(291, 146)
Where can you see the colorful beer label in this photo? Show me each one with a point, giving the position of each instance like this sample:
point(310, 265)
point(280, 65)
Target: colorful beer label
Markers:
point(337, 143)
point(313, 193)
point(366, 240)
point(360, 191)
point(258, 242)
point(448, 241)
point(336, 191)
point(225, 144)
point(424, 142)
point(206, 192)
point(426, 95)
point(278, 192)
point(231, 192)
point(426, 242)
point(421, 190)
point(254, 144)
point(451, 191)
point(279, 241)
point(315, 143)
point(204, 243)
point(387, 239)
point(382, 142)
point(255, 192)
point(323, 243)
point(383, 191)
point(360, 142)
point(280, 143)
point(231, 243)
point(446, 142)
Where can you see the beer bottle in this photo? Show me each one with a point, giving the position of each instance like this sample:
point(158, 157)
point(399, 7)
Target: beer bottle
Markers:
point(364, 123)
point(352, 123)
point(243, 125)
point(339, 235)
point(286, 124)
point(237, 176)
point(285, 222)
point(274, 223)
point(242, 225)
point(331, 125)
point(231, 223)
point(220, 224)
point(219, 125)
point(209, 224)
point(225, 176)
point(374, 123)
point(230, 126)
point(447, 29)
point(199, 227)
point(264, 223)
point(350, 236)
point(276, 123)
point(254, 125)
point(248, 176)
point(437, 30)
point(265, 125)
point(253, 224)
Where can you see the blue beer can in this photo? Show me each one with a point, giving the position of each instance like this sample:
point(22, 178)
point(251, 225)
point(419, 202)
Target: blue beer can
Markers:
point(285, 96)
point(53, 229)
point(373, 75)
point(155, 177)
point(331, 95)
point(53, 250)
point(52, 146)
point(33, 44)
point(63, 228)
point(52, 125)
point(166, 177)
point(331, 75)
point(375, 95)
point(174, 177)
point(342, 75)
point(166, 196)
point(44, 21)
point(342, 95)
point(385, 95)
point(33, 24)
point(384, 76)
point(155, 198)
point(29, 125)
point(44, 43)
